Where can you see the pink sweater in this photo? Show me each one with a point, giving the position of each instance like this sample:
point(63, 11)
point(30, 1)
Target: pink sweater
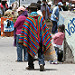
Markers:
point(19, 23)
point(58, 38)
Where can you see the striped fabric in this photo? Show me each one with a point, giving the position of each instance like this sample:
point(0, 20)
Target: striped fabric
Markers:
point(33, 32)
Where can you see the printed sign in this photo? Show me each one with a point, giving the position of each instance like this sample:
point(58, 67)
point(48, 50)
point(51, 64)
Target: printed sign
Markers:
point(6, 26)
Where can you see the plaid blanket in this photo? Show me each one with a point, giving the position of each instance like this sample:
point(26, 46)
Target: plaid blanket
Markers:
point(33, 32)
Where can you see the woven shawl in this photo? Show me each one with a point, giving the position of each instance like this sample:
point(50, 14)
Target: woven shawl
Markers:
point(34, 32)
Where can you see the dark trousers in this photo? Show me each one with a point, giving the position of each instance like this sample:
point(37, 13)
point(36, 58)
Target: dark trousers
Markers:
point(54, 28)
point(59, 54)
point(40, 58)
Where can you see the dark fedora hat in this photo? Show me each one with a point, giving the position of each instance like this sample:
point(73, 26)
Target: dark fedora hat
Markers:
point(33, 5)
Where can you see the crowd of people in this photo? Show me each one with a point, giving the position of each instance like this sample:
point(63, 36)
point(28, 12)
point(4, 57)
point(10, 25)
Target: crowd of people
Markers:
point(32, 35)
point(3, 7)
point(6, 10)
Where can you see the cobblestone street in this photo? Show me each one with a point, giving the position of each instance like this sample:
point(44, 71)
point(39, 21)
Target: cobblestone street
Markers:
point(8, 66)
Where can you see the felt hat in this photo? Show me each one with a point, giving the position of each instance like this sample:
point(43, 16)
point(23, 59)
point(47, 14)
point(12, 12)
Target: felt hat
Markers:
point(33, 5)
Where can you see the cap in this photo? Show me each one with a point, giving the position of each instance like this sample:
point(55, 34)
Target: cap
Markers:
point(60, 3)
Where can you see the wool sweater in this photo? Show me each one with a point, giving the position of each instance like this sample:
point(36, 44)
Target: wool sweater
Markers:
point(19, 24)
point(58, 38)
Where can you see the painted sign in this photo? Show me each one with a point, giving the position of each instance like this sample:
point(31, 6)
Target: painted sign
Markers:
point(71, 27)
point(68, 19)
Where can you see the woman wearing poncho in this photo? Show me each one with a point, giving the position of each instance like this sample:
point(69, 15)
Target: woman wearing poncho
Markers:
point(36, 37)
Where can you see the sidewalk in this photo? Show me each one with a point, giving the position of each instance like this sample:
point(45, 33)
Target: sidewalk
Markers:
point(8, 66)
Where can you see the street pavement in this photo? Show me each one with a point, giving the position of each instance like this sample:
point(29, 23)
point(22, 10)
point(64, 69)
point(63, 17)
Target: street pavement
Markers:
point(8, 66)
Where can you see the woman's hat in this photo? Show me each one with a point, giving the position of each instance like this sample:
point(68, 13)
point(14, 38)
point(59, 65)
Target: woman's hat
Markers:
point(21, 8)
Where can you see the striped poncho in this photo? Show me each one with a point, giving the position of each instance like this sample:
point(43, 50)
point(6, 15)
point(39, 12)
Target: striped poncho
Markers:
point(33, 32)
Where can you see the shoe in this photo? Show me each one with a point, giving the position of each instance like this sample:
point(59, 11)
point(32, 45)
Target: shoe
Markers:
point(41, 67)
point(53, 62)
point(30, 68)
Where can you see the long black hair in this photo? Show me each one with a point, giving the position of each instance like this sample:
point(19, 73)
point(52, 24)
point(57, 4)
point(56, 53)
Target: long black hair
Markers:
point(61, 28)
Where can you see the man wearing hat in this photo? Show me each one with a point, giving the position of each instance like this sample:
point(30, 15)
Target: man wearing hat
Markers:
point(55, 17)
point(35, 36)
